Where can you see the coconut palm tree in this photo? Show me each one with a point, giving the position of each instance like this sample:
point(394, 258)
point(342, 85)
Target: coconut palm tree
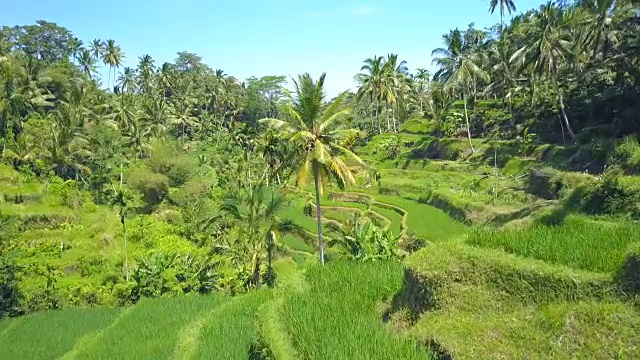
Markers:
point(508, 5)
point(146, 67)
point(458, 69)
point(601, 35)
point(547, 49)
point(316, 128)
point(87, 62)
point(372, 84)
point(127, 80)
point(112, 56)
point(256, 210)
point(97, 49)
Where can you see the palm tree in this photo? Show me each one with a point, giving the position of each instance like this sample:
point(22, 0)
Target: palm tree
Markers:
point(127, 80)
point(316, 128)
point(509, 5)
point(600, 32)
point(257, 213)
point(87, 62)
point(547, 50)
point(146, 67)
point(421, 82)
point(112, 56)
point(372, 84)
point(97, 49)
point(458, 69)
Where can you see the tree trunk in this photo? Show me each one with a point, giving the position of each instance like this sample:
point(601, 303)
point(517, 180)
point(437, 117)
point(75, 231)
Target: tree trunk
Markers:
point(378, 116)
point(256, 271)
point(316, 178)
point(124, 232)
point(564, 113)
point(466, 117)
point(126, 252)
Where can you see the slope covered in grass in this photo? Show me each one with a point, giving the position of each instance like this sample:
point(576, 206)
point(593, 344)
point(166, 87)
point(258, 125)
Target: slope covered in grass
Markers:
point(150, 330)
point(49, 335)
point(231, 330)
point(336, 316)
point(514, 308)
point(580, 242)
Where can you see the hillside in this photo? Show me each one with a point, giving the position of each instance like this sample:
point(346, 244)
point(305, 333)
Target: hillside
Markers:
point(537, 282)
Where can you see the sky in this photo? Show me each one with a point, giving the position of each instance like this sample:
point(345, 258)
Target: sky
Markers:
point(266, 37)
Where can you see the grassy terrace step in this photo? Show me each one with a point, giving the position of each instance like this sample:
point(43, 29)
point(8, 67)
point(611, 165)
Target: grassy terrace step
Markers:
point(579, 241)
point(51, 334)
point(526, 280)
point(150, 330)
point(583, 330)
point(513, 308)
point(230, 330)
point(335, 314)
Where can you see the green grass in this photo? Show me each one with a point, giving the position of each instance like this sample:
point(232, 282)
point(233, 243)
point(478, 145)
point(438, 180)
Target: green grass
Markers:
point(579, 242)
point(514, 308)
point(426, 221)
point(296, 243)
point(585, 330)
point(232, 328)
point(335, 317)
point(150, 330)
point(393, 216)
point(49, 335)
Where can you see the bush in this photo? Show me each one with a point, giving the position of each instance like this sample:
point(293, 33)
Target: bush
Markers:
point(628, 276)
point(626, 155)
point(169, 160)
point(613, 196)
point(418, 126)
point(154, 187)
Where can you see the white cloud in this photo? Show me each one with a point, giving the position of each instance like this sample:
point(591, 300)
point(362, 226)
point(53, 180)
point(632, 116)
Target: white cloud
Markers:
point(362, 10)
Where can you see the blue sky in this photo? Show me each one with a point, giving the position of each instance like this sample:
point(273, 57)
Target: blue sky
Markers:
point(265, 37)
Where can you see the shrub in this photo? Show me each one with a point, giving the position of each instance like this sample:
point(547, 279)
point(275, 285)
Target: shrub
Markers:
point(626, 155)
point(418, 126)
point(154, 187)
point(613, 196)
point(169, 160)
point(628, 276)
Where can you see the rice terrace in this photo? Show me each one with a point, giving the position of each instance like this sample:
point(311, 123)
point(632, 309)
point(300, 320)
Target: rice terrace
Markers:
point(486, 207)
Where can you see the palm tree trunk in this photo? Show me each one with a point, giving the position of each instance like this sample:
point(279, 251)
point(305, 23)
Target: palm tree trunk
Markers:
point(564, 113)
point(126, 252)
point(378, 116)
point(256, 271)
point(466, 117)
point(316, 178)
point(124, 232)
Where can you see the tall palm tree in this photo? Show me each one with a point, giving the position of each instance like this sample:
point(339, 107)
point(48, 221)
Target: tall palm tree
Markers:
point(112, 56)
point(87, 62)
point(458, 69)
point(509, 5)
point(372, 84)
point(421, 84)
point(601, 35)
point(97, 49)
point(146, 67)
point(316, 128)
point(547, 50)
point(127, 80)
